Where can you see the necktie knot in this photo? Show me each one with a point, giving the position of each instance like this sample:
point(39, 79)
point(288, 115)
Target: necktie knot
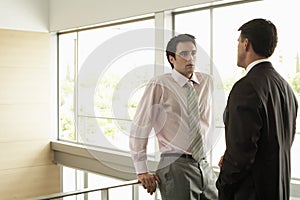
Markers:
point(190, 84)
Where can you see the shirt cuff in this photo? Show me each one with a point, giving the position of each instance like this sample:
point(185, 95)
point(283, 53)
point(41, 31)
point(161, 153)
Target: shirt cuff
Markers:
point(141, 167)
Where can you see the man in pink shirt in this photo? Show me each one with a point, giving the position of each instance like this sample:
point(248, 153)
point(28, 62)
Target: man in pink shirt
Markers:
point(164, 108)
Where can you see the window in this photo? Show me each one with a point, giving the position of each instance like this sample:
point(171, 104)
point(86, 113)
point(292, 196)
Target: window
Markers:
point(216, 32)
point(102, 76)
point(67, 77)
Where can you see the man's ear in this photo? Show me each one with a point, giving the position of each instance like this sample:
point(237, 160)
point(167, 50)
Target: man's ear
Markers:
point(246, 44)
point(172, 59)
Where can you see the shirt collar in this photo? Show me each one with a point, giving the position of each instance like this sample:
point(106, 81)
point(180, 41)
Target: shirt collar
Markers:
point(182, 80)
point(251, 65)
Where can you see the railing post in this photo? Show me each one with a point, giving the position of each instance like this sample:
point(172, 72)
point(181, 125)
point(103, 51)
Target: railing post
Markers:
point(86, 183)
point(135, 192)
point(104, 194)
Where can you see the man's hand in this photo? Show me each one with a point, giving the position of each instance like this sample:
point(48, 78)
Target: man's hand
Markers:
point(221, 161)
point(148, 181)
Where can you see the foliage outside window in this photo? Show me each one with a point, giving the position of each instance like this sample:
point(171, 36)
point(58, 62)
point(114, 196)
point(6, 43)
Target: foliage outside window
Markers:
point(91, 95)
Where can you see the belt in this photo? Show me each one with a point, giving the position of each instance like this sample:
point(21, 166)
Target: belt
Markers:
point(177, 155)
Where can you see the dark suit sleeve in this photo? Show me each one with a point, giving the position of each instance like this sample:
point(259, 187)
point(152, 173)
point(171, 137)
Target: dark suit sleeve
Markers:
point(243, 123)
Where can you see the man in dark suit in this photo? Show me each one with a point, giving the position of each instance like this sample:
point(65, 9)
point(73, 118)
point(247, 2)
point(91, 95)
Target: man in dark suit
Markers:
point(260, 122)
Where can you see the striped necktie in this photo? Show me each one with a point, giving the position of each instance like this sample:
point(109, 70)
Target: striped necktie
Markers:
point(194, 123)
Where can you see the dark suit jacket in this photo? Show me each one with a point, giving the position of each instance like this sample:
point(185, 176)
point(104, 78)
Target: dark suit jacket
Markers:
point(260, 123)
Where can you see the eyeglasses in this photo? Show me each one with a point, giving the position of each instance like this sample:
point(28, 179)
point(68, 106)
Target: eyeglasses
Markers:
point(185, 54)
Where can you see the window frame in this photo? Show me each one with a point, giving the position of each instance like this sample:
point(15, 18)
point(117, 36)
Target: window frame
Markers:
point(76, 155)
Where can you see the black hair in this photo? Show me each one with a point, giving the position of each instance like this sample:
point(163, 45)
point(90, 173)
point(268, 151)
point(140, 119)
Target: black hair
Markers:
point(262, 34)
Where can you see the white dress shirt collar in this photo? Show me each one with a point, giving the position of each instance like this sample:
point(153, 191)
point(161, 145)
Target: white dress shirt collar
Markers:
point(182, 80)
point(251, 65)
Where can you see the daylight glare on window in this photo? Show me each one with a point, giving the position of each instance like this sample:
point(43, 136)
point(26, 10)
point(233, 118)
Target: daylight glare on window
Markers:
point(101, 82)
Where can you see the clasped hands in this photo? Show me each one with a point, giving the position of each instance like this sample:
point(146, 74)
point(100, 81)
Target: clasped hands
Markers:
point(149, 181)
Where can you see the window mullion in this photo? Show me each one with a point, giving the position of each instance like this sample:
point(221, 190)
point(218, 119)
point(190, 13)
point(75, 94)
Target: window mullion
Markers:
point(76, 86)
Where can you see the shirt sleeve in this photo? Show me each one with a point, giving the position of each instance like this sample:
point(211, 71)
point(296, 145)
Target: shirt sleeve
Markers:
point(142, 125)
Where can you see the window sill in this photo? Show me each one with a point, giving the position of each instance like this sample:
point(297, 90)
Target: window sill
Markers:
point(102, 161)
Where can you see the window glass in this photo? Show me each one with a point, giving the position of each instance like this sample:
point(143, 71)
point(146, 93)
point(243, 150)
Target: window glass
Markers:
point(223, 46)
point(69, 177)
point(67, 72)
point(95, 181)
point(285, 58)
point(108, 95)
point(72, 180)
point(202, 33)
point(98, 98)
point(111, 66)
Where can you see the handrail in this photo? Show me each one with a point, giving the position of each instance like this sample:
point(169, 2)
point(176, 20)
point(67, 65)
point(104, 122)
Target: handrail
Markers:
point(83, 191)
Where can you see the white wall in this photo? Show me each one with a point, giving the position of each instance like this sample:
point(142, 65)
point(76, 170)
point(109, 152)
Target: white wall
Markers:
point(69, 14)
point(55, 15)
point(29, 15)
point(26, 159)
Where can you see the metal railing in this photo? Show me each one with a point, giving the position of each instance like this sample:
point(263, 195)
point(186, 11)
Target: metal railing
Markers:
point(104, 191)
point(105, 194)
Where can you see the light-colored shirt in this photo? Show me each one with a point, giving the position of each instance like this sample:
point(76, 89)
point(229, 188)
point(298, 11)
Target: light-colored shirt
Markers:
point(163, 107)
point(251, 65)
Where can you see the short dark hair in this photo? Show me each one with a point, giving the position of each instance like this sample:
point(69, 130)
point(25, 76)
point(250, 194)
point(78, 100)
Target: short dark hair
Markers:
point(262, 34)
point(172, 44)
